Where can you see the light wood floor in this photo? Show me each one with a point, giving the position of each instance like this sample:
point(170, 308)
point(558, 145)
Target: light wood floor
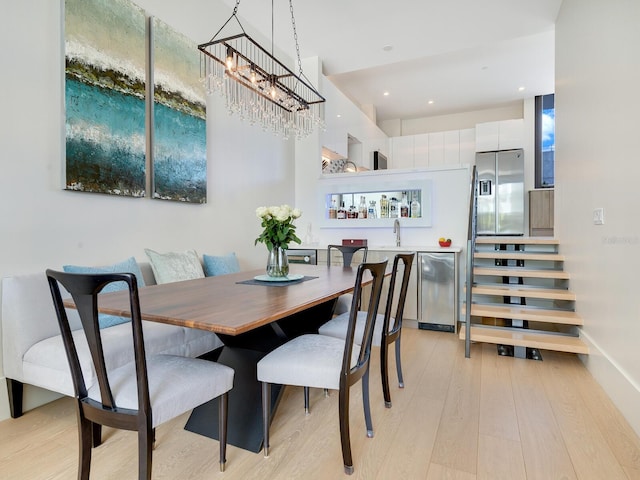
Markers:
point(487, 417)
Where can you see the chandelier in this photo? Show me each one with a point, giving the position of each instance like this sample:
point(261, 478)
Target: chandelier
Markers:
point(257, 86)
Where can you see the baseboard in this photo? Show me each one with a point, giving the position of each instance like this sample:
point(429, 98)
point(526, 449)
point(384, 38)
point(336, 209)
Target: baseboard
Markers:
point(408, 322)
point(624, 393)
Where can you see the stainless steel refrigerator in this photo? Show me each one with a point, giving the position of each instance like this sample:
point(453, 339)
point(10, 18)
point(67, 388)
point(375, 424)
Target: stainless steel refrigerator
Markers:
point(500, 192)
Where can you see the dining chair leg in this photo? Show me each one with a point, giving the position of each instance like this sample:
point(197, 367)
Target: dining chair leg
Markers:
point(384, 373)
point(306, 400)
point(266, 396)
point(343, 412)
point(399, 363)
point(85, 434)
point(145, 452)
point(96, 432)
point(223, 415)
point(367, 404)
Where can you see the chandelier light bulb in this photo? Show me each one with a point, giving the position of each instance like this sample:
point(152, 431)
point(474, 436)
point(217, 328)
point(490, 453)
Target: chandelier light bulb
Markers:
point(229, 60)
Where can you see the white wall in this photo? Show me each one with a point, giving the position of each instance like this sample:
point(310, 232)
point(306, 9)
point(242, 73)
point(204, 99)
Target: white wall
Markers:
point(43, 226)
point(351, 121)
point(598, 165)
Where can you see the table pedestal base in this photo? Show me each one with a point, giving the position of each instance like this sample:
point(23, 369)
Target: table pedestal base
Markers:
point(245, 403)
point(242, 353)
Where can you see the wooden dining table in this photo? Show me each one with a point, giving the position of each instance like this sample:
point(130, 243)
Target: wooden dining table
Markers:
point(252, 318)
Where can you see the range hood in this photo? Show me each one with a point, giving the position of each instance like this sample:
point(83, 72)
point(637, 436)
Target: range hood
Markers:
point(331, 155)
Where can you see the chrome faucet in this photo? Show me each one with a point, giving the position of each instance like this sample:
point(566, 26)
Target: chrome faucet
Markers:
point(396, 230)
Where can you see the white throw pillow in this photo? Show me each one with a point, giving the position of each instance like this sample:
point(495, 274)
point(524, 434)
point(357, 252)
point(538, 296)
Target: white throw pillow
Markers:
point(175, 266)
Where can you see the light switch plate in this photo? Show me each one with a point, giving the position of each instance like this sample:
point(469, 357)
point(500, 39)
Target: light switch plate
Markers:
point(598, 216)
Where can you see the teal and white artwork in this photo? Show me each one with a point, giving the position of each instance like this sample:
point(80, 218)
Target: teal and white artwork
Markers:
point(179, 118)
point(105, 56)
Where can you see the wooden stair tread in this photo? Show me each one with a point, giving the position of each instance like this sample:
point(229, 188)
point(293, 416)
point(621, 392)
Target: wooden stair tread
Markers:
point(502, 289)
point(530, 249)
point(521, 272)
point(522, 338)
point(523, 313)
point(517, 240)
point(513, 255)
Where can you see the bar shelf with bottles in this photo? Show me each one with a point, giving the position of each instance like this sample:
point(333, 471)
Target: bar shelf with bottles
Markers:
point(374, 209)
point(412, 186)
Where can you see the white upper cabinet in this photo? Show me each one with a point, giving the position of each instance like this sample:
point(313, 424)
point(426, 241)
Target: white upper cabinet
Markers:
point(336, 141)
point(402, 152)
point(468, 146)
point(511, 134)
point(436, 149)
point(452, 147)
point(421, 150)
point(503, 135)
point(433, 149)
point(487, 136)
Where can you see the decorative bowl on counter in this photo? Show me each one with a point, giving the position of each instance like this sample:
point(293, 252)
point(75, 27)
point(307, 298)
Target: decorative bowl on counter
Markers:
point(444, 242)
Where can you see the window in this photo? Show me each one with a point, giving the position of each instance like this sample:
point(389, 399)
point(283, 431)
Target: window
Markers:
point(545, 141)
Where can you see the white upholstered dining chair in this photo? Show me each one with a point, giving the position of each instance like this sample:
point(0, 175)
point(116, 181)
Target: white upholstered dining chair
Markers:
point(387, 330)
point(320, 361)
point(137, 396)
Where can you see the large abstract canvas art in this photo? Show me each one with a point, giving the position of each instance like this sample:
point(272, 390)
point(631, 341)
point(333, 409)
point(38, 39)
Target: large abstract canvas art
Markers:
point(179, 118)
point(105, 57)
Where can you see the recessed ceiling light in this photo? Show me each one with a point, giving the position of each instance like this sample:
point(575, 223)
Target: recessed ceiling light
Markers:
point(339, 116)
point(521, 89)
point(430, 102)
point(387, 48)
point(386, 94)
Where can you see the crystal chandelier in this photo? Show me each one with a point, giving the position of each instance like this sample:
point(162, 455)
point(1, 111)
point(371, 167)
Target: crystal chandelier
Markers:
point(257, 86)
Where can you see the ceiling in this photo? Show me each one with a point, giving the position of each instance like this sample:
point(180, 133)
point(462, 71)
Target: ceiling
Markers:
point(461, 55)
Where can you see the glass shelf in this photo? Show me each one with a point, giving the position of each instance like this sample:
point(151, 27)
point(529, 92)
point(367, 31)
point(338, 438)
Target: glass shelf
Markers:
point(371, 190)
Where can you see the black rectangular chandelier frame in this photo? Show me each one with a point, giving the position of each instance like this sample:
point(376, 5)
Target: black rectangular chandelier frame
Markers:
point(264, 74)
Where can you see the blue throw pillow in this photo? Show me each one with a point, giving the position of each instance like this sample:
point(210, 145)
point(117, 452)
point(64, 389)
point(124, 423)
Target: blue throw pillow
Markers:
point(220, 265)
point(127, 266)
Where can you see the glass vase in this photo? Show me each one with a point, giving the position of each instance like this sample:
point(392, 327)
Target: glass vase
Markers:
point(277, 263)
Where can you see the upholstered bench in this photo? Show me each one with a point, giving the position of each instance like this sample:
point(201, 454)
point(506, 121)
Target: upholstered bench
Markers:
point(33, 352)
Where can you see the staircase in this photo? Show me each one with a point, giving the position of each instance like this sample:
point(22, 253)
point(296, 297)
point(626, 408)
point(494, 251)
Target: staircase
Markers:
point(520, 297)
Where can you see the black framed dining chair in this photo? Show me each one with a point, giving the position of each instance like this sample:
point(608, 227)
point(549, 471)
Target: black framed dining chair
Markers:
point(137, 396)
point(348, 252)
point(387, 330)
point(320, 361)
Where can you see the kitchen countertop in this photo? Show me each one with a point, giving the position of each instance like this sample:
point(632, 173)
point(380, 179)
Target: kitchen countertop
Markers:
point(415, 248)
point(393, 248)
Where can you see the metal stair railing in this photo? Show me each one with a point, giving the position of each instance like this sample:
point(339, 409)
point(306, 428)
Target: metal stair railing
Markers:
point(471, 248)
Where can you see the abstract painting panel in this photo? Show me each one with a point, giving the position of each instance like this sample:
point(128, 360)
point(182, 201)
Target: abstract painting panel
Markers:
point(179, 118)
point(105, 97)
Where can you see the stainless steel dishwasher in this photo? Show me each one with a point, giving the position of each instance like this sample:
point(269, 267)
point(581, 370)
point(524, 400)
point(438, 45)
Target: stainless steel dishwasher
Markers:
point(437, 291)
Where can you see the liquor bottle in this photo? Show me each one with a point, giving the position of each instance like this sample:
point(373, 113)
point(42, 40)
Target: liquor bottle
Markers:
point(393, 208)
point(342, 213)
point(372, 209)
point(404, 205)
point(333, 210)
point(362, 209)
point(384, 207)
point(415, 208)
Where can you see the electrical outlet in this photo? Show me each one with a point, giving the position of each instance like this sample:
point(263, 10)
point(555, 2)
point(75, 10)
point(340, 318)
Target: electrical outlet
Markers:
point(598, 216)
